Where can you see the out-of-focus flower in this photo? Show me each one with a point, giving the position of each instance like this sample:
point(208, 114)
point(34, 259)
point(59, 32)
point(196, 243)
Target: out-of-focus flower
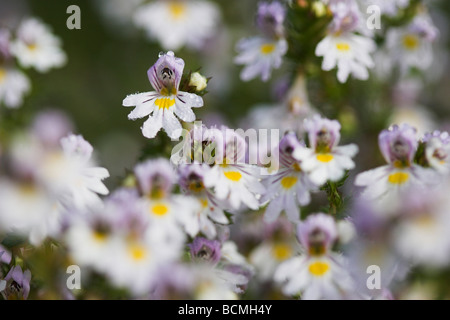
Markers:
point(421, 232)
point(346, 16)
point(168, 213)
point(37, 47)
point(17, 286)
point(386, 183)
point(319, 273)
point(349, 52)
point(13, 86)
point(270, 18)
point(51, 126)
point(175, 23)
point(71, 173)
point(290, 186)
point(324, 159)
point(260, 55)
point(163, 104)
point(411, 46)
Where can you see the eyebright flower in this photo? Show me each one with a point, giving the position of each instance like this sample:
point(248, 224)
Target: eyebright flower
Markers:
point(37, 47)
point(349, 52)
point(170, 214)
point(205, 250)
point(290, 186)
point(162, 104)
point(260, 55)
point(318, 273)
point(324, 159)
point(411, 46)
point(17, 286)
point(385, 184)
point(233, 180)
point(175, 23)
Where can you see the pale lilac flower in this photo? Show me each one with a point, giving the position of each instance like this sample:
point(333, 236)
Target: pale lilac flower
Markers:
point(163, 104)
point(17, 284)
point(388, 7)
point(324, 159)
point(176, 23)
point(37, 47)
point(318, 273)
point(411, 46)
point(51, 126)
point(385, 184)
point(155, 177)
point(347, 16)
point(290, 187)
point(205, 250)
point(270, 18)
point(260, 55)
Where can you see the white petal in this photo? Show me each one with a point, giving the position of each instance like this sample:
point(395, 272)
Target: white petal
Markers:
point(152, 125)
point(171, 125)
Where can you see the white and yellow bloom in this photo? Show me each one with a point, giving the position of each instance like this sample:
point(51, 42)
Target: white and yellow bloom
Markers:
point(324, 159)
point(163, 104)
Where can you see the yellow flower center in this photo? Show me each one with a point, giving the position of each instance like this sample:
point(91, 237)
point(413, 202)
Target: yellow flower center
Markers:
point(343, 47)
point(398, 178)
point(267, 48)
point(319, 268)
point(288, 182)
point(281, 251)
point(159, 209)
point(2, 74)
point(410, 42)
point(32, 46)
point(233, 175)
point(28, 189)
point(99, 236)
point(177, 9)
point(137, 252)
point(164, 103)
point(324, 157)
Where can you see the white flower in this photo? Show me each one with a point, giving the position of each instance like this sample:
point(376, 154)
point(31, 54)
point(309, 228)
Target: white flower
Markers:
point(260, 55)
point(323, 277)
point(37, 47)
point(71, 173)
point(267, 257)
point(13, 86)
point(238, 184)
point(163, 104)
point(349, 52)
point(325, 160)
point(177, 23)
point(26, 209)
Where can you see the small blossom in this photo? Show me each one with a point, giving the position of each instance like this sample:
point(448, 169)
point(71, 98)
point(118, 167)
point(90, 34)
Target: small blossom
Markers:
point(319, 273)
point(163, 104)
point(37, 47)
point(270, 18)
point(260, 55)
point(17, 284)
point(324, 159)
point(205, 250)
point(437, 151)
point(386, 183)
point(175, 23)
point(290, 186)
point(349, 52)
